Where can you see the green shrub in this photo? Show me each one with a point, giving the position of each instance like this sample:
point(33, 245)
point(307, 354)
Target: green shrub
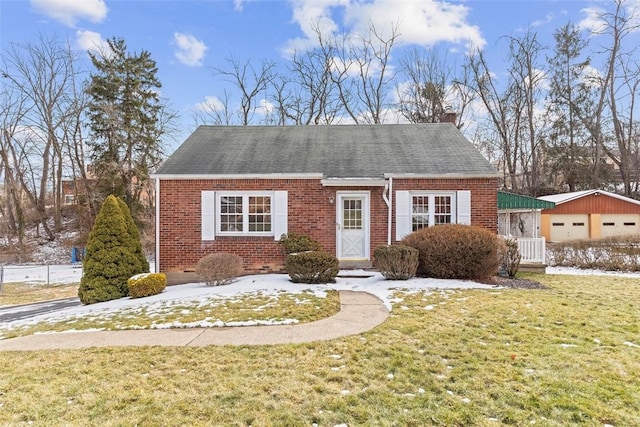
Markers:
point(455, 251)
point(511, 257)
point(293, 243)
point(110, 257)
point(311, 267)
point(134, 243)
point(219, 268)
point(397, 262)
point(146, 284)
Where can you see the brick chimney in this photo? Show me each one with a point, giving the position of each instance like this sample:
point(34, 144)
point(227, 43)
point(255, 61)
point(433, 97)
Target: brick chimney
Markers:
point(448, 116)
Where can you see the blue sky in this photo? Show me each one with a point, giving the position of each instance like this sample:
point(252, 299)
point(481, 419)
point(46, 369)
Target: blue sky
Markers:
point(187, 38)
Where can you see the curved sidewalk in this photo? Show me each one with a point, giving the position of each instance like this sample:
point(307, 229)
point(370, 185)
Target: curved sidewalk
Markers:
point(359, 312)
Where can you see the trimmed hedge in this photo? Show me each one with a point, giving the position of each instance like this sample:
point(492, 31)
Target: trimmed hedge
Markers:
point(396, 262)
point(146, 284)
point(455, 251)
point(312, 267)
point(620, 253)
point(293, 243)
point(219, 268)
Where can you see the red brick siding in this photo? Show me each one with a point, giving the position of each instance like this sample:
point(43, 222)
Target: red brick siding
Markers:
point(484, 197)
point(310, 213)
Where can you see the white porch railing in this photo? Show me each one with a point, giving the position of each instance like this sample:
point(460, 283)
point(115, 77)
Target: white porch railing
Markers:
point(532, 249)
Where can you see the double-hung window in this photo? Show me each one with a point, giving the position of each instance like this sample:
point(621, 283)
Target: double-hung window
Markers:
point(419, 209)
point(239, 213)
point(431, 209)
point(243, 213)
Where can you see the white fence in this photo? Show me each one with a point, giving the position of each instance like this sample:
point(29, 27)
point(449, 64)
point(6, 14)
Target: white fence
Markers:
point(532, 250)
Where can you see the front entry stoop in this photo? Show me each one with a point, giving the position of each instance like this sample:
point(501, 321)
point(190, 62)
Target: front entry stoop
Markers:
point(353, 264)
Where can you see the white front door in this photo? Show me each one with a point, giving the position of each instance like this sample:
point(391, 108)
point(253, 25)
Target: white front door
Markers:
point(353, 225)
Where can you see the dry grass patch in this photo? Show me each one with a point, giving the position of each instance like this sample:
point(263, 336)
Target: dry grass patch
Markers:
point(567, 355)
point(21, 293)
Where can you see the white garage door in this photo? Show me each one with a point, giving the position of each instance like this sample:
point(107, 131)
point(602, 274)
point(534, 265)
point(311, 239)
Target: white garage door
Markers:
point(569, 227)
point(619, 225)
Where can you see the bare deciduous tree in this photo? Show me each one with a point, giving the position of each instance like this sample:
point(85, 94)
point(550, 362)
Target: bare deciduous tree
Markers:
point(45, 73)
point(251, 82)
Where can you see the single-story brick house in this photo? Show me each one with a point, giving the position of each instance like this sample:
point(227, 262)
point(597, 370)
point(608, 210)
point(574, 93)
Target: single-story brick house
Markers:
point(351, 187)
point(589, 214)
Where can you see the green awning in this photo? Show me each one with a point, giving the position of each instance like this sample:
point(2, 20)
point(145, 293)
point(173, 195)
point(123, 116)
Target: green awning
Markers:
point(517, 201)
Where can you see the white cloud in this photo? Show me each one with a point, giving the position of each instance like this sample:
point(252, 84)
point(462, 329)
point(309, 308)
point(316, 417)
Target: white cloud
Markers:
point(592, 21)
point(265, 108)
point(92, 42)
point(424, 22)
point(70, 11)
point(210, 104)
point(595, 21)
point(190, 51)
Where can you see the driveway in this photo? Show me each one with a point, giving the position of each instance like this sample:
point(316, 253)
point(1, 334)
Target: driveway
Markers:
point(26, 311)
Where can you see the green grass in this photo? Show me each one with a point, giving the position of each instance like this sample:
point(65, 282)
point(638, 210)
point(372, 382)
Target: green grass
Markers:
point(562, 356)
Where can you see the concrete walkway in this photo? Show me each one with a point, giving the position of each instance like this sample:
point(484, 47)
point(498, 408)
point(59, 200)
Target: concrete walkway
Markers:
point(359, 312)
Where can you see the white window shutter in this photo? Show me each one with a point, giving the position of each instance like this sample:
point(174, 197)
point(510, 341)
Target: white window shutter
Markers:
point(208, 214)
point(281, 212)
point(463, 207)
point(403, 214)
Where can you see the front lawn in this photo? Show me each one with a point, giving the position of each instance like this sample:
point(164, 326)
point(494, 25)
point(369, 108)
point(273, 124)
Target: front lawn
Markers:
point(566, 355)
point(14, 293)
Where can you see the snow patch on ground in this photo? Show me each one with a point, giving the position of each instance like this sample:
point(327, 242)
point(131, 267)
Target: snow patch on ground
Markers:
point(201, 295)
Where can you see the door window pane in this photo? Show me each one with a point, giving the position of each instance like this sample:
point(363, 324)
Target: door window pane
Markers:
point(352, 214)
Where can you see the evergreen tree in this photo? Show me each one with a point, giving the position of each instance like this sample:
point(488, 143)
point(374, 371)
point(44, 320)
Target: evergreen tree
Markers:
point(127, 119)
point(569, 155)
point(109, 260)
point(135, 246)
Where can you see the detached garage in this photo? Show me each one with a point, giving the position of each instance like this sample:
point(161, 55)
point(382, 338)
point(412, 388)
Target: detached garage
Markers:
point(590, 214)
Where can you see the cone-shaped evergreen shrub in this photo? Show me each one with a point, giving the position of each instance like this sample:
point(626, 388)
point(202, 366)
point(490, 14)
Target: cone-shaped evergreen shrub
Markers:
point(134, 238)
point(109, 260)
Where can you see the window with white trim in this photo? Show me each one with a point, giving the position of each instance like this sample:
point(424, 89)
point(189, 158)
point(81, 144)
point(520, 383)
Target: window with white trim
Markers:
point(239, 213)
point(243, 213)
point(419, 209)
point(431, 209)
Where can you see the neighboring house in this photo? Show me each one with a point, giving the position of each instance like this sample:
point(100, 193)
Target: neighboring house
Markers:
point(519, 218)
point(589, 214)
point(69, 192)
point(351, 187)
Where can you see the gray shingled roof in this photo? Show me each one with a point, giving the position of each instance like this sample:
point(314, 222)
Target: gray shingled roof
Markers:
point(336, 151)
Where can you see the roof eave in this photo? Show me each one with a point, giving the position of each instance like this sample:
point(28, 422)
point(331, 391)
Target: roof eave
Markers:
point(442, 175)
point(172, 177)
point(354, 182)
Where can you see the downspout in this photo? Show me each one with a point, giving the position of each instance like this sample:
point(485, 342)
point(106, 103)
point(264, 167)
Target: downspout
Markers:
point(157, 254)
point(387, 196)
